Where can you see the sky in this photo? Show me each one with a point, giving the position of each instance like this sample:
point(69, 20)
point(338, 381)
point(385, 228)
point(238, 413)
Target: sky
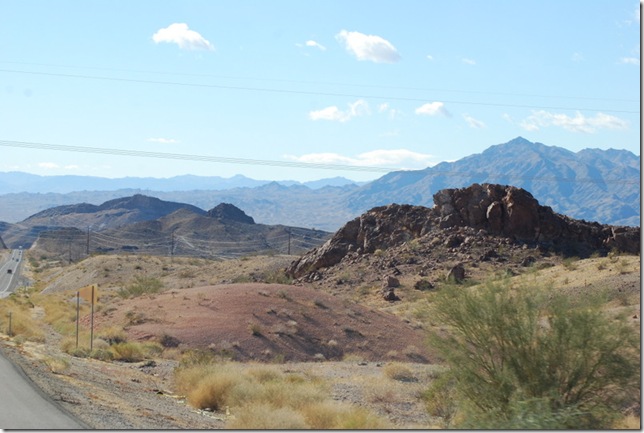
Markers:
point(308, 89)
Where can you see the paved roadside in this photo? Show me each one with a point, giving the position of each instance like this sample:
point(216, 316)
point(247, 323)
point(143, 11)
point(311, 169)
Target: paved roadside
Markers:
point(23, 406)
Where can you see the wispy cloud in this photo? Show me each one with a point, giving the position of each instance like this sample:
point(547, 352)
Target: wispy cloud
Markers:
point(162, 140)
point(433, 109)
point(468, 61)
point(630, 60)
point(578, 123)
point(385, 108)
point(474, 123)
point(48, 165)
point(314, 44)
point(393, 158)
point(180, 34)
point(368, 47)
point(577, 57)
point(333, 113)
point(55, 166)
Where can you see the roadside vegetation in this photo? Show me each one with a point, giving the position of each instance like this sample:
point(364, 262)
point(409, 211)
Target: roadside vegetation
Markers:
point(264, 397)
point(549, 349)
point(530, 357)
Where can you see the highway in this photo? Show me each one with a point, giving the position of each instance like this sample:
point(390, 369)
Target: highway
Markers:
point(24, 407)
point(9, 273)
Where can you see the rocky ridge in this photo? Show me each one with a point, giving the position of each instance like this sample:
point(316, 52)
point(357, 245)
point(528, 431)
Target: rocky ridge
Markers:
point(487, 214)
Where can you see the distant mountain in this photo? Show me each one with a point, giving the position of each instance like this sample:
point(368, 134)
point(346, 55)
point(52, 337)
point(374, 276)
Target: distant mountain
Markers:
point(18, 182)
point(592, 184)
point(148, 225)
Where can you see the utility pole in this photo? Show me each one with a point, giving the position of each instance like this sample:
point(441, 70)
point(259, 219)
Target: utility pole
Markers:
point(172, 246)
point(87, 246)
point(289, 242)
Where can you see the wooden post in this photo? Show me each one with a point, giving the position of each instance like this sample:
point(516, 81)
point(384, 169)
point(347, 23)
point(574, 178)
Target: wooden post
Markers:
point(91, 332)
point(77, 315)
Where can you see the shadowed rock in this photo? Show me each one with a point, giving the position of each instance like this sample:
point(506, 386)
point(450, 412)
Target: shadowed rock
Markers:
point(497, 210)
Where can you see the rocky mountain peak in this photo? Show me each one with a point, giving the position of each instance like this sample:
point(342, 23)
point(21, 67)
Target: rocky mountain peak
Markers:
point(487, 209)
point(229, 212)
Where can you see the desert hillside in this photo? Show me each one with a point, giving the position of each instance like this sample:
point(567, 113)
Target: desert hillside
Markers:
point(368, 298)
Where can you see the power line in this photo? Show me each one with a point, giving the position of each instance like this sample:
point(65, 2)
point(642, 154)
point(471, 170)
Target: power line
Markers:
point(189, 157)
point(303, 92)
point(295, 164)
point(318, 83)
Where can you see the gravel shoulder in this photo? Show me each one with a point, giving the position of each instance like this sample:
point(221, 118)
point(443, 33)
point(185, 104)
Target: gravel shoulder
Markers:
point(117, 396)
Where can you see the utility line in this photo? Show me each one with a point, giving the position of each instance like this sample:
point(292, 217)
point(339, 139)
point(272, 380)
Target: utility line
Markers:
point(189, 157)
point(295, 164)
point(318, 83)
point(302, 92)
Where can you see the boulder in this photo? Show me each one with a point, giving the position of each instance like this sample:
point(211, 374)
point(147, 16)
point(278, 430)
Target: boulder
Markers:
point(489, 209)
point(456, 274)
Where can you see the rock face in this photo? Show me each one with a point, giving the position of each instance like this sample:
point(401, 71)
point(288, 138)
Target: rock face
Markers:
point(494, 210)
point(229, 212)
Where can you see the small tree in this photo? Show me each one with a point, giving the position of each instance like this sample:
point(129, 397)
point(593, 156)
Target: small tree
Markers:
point(532, 358)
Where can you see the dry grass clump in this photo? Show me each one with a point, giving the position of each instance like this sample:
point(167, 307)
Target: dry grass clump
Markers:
point(16, 312)
point(264, 397)
point(399, 371)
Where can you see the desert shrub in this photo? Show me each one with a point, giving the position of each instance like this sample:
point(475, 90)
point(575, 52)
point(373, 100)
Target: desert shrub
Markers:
point(278, 277)
point(128, 352)
point(113, 335)
point(266, 417)
point(167, 340)
point(570, 263)
point(102, 354)
point(440, 399)
point(263, 397)
point(532, 358)
point(23, 325)
point(57, 364)
point(141, 286)
point(255, 329)
point(399, 371)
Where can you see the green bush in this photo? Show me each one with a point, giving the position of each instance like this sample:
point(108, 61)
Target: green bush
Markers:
point(141, 286)
point(532, 358)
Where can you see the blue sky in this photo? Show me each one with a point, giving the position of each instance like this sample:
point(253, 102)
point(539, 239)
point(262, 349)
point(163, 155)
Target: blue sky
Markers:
point(249, 87)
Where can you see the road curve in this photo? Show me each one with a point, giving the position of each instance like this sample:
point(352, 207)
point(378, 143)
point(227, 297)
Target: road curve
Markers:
point(23, 406)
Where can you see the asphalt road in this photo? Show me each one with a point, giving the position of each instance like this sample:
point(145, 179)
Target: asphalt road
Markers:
point(23, 407)
point(8, 280)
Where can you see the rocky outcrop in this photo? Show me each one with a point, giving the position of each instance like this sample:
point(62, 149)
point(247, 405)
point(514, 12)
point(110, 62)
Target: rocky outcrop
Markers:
point(490, 209)
point(229, 212)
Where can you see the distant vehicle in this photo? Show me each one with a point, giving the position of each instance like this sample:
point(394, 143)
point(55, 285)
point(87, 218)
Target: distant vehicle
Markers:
point(9, 271)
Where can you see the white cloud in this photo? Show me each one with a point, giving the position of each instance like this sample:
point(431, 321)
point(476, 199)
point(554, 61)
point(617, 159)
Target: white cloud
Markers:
point(180, 34)
point(577, 57)
point(429, 57)
point(162, 140)
point(386, 109)
point(579, 123)
point(315, 44)
point(355, 109)
point(474, 123)
point(48, 165)
point(630, 60)
point(468, 61)
point(433, 109)
point(368, 47)
point(394, 158)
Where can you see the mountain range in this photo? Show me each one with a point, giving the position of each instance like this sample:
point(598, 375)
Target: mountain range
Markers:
point(591, 184)
point(144, 224)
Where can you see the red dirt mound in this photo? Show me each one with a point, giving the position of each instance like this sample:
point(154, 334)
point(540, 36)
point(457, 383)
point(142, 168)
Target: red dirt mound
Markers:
point(268, 322)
